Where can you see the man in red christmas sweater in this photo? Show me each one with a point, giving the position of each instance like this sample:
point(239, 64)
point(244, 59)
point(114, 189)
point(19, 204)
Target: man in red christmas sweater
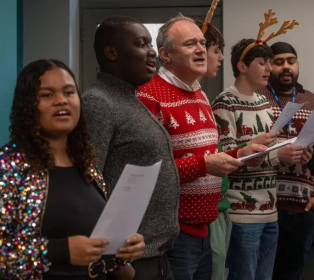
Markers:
point(174, 96)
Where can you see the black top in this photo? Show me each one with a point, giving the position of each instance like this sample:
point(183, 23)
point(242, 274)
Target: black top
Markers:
point(72, 208)
point(310, 165)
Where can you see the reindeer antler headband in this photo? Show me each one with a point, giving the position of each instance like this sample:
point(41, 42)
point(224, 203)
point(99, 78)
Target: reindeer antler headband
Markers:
point(209, 15)
point(269, 21)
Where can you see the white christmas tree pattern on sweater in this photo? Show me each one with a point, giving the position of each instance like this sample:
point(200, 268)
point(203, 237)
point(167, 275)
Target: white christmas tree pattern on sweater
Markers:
point(173, 123)
point(189, 118)
point(202, 116)
point(211, 118)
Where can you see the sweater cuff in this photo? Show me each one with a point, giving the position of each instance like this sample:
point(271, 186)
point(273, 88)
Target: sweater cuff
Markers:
point(273, 159)
point(234, 152)
point(201, 165)
point(58, 250)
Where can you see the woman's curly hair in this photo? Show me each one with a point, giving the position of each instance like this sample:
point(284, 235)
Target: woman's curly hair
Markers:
point(24, 128)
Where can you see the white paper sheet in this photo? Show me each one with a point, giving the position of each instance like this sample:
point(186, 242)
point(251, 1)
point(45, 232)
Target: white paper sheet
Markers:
point(126, 206)
point(287, 113)
point(306, 135)
point(277, 146)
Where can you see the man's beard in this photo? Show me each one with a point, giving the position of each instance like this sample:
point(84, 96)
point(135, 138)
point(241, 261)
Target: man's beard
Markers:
point(280, 86)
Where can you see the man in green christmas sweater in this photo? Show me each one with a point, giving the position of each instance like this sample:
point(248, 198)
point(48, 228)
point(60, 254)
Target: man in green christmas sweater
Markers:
point(243, 116)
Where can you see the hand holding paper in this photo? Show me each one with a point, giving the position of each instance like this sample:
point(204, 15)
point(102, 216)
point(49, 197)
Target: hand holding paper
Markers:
point(134, 248)
point(267, 139)
point(305, 137)
point(291, 154)
point(289, 141)
point(307, 155)
point(126, 206)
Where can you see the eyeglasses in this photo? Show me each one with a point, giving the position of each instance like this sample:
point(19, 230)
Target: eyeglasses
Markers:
point(281, 61)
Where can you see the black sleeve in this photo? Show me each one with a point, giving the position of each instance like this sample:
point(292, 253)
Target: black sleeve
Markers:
point(310, 164)
point(58, 250)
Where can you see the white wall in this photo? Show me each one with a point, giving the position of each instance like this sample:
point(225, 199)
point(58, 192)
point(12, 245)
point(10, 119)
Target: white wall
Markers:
point(241, 19)
point(51, 30)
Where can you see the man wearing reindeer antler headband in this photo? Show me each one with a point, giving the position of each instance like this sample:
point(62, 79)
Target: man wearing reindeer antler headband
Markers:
point(245, 117)
point(220, 229)
point(295, 183)
point(174, 96)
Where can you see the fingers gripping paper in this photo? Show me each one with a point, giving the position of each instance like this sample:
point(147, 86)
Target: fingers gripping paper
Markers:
point(126, 206)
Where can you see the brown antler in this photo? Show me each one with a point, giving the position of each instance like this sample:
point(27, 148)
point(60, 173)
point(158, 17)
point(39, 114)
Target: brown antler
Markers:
point(211, 11)
point(283, 29)
point(269, 21)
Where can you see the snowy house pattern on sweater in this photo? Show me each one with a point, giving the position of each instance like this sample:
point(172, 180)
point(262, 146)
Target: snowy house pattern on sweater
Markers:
point(252, 191)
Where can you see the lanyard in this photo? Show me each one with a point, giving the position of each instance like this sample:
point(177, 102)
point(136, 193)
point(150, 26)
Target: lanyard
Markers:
point(279, 103)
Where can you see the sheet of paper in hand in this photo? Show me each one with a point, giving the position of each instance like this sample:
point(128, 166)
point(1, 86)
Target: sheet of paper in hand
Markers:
point(282, 144)
point(286, 115)
point(126, 206)
point(306, 135)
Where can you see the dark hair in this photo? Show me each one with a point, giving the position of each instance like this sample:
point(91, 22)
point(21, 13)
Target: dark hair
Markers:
point(283, 47)
point(263, 51)
point(24, 117)
point(212, 35)
point(109, 33)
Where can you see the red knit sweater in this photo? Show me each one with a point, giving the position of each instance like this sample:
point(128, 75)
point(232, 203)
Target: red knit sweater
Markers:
point(188, 118)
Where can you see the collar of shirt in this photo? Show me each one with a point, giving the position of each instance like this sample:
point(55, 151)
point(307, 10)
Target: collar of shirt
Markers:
point(172, 79)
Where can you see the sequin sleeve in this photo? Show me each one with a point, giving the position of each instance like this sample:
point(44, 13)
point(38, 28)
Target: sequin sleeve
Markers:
point(114, 264)
point(22, 251)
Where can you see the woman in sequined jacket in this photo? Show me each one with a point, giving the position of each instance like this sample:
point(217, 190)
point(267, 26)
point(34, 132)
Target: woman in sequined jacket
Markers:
point(51, 195)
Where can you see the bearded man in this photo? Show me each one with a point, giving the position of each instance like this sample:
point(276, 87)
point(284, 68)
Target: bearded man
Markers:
point(295, 183)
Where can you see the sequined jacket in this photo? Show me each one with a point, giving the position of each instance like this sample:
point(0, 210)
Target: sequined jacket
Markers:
point(23, 195)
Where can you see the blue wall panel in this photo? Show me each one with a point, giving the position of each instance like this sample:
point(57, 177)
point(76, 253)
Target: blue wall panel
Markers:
point(11, 57)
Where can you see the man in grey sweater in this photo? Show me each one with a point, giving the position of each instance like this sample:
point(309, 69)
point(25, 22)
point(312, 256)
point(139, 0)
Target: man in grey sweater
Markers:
point(124, 131)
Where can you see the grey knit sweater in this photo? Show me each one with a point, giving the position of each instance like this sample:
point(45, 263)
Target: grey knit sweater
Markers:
point(124, 131)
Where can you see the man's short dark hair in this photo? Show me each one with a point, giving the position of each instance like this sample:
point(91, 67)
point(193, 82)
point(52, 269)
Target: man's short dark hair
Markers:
point(283, 47)
point(263, 51)
point(108, 33)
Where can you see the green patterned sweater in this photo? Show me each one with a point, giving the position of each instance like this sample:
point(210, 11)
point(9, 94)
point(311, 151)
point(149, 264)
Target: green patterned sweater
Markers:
point(224, 203)
point(252, 191)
